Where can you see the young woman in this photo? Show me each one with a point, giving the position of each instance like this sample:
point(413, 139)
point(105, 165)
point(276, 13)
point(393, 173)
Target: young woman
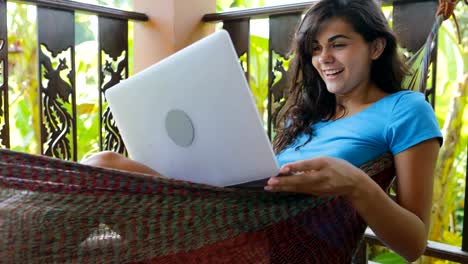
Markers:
point(346, 107)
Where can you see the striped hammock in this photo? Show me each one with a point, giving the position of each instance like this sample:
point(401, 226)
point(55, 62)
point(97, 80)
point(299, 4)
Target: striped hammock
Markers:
point(54, 211)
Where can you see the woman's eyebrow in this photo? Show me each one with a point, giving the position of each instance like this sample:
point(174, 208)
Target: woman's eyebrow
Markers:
point(331, 39)
point(338, 36)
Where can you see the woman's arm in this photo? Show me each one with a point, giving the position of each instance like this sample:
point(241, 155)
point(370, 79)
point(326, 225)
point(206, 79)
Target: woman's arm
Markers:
point(403, 226)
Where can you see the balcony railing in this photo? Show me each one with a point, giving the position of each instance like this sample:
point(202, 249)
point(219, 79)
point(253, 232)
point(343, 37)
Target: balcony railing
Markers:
point(56, 59)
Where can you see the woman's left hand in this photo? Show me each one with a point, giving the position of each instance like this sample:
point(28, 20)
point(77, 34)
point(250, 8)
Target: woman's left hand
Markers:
point(323, 176)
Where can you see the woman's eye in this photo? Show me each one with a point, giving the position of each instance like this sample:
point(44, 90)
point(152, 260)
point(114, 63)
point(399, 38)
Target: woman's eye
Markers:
point(316, 49)
point(339, 45)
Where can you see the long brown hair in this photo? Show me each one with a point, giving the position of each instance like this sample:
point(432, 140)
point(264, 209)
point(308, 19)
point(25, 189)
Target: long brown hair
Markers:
point(309, 101)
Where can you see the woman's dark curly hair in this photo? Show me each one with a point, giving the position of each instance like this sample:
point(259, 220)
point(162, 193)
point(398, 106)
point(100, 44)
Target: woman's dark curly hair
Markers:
point(309, 101)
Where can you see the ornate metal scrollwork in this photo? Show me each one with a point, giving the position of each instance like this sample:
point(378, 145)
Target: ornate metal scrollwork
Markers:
point(280, 26)
point(279, 89)
point(112, 139)
point(113, 59)
point(239, 31)
point(56, 36)
point(56, 102)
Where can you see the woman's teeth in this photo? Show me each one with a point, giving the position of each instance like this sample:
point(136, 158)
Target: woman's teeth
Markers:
point(332, 72)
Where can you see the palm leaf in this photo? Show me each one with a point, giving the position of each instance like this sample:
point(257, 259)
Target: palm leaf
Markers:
point(410, 81)
point(419, 63)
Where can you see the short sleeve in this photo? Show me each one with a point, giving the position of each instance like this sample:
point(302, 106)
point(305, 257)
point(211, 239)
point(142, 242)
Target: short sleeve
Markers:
point(412, 121)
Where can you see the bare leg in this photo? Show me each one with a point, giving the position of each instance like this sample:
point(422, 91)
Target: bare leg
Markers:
point(113, 160)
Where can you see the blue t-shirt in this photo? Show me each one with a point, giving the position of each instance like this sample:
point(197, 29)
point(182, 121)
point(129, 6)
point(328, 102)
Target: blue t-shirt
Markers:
point(391, 125)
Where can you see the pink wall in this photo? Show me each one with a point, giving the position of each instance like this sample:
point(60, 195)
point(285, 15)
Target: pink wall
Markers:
point(172, 25)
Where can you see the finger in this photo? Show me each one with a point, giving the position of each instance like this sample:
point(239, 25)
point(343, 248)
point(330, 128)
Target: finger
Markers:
point(307, 178)
point(285, 170)
point(296, 188)
point(304, 165)
point(292, 188)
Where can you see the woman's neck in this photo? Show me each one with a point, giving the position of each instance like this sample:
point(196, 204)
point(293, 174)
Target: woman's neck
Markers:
point(357, 100)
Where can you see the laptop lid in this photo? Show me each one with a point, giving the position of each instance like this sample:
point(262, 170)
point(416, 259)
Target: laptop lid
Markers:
point(192, 117)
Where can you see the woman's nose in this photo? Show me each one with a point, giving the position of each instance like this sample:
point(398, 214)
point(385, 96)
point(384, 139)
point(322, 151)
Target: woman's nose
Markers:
point(325, 56)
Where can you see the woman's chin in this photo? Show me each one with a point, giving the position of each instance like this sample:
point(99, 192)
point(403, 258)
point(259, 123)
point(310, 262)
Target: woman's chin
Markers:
point(335, 90)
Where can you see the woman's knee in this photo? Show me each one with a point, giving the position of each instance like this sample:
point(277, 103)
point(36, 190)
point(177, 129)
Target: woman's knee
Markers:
point(107, 159)
point(113, 160)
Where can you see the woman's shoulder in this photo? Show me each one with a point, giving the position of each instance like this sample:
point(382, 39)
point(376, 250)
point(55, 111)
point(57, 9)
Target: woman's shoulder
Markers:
point(406, 95)
point(412, 120)
point(406, 99)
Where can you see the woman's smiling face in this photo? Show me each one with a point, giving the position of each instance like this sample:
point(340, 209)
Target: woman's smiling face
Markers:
point(342, 57)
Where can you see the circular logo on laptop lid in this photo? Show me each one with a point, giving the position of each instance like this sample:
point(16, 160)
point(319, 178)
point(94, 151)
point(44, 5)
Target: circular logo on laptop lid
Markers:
point(179, 128)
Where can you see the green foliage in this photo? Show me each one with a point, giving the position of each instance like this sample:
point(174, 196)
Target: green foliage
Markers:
point(452, 67)
point(222, 5)
point(389, 258)
point(258, 72)
point(87, 94)
point(120, 4)
point(83, 29)
point(23, 86)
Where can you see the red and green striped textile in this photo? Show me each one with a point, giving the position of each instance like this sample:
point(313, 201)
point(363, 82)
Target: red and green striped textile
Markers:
point(54, 211)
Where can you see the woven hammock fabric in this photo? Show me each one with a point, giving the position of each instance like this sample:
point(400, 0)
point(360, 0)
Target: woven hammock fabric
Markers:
point(58, 211)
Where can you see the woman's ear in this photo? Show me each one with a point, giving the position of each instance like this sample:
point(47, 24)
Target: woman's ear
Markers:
point(377, 47)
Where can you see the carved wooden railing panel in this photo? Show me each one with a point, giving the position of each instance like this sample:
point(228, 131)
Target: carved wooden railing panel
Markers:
point(56, 37)
point(4, 105)
point(281, 33)
point(412, 21)
point(239, 31)
point(113, 62)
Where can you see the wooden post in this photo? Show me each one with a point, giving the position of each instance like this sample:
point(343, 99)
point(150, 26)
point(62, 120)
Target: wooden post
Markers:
point(172, 25)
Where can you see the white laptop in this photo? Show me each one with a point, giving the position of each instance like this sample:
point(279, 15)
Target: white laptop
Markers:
point(192, 117)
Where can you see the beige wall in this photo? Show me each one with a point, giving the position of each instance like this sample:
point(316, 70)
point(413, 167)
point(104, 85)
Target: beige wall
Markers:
point(172, 25)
